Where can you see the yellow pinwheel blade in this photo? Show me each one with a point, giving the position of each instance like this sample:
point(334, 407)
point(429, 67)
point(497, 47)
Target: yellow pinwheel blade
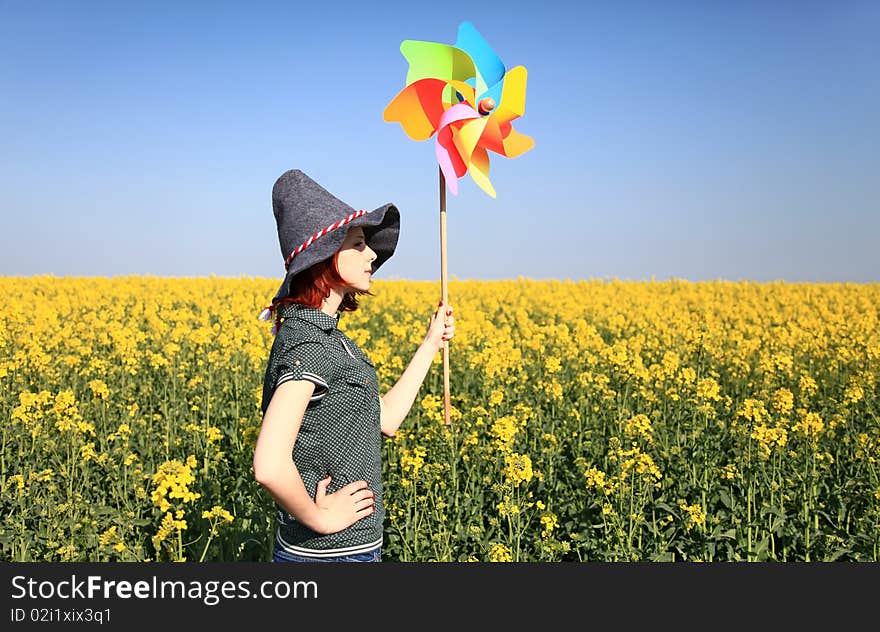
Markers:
point(479, 170)
point(462, 88)
point(467, 137)
point(513, 96)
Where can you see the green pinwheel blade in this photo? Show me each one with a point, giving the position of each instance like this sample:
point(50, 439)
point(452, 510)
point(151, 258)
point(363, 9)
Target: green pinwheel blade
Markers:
point(437, 61)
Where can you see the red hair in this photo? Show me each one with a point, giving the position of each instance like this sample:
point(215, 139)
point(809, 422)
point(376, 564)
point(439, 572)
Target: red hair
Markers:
point(311, 286)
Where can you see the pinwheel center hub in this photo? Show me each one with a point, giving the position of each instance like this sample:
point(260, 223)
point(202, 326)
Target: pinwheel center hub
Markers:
point(486, 105)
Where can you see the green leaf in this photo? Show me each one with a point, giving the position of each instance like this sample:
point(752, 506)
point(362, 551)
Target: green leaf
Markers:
point(730, 534)
point(760, 551)
point(665, 507)
point(838, 554)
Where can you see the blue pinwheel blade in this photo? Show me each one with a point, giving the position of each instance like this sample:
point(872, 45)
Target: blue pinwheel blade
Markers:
point(488, 64)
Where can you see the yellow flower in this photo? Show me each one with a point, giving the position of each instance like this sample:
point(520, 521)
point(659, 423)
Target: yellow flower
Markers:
point(694, 515)
point(687, 375)
point(753, 410)
point(517, 469)
point(708, 389)
point(639, 426)
point(549, 522)
point(634, 460)
point(172, 481)
point(553, 389)
point(123, 432)
point(507, 507)
point(504, 430)
point(99, 388)
point(432, 407)
point(671, 362)
point(17, 480)
point(807, 386)
point(854, 392)
point(412, 461)
point(810, 425)
point(109, 537)
point(66, 412)
point(87, 452)
point(67, 553)
point(500, 553)
point(170, 524)
point(496, 397)
point(596, 479)
point(729, 472)
point(769, 438)
point(217, 512)
point(783, 401)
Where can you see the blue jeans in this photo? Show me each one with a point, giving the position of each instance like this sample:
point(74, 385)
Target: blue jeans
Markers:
point(280, 555)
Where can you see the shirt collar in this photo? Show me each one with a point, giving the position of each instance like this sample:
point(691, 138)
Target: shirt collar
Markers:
point(310, 315)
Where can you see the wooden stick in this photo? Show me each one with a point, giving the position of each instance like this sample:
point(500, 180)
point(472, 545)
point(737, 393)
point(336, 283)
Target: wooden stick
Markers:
point(444, 295)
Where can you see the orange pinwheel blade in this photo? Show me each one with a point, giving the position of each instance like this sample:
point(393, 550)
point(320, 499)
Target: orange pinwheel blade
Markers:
point(516, 144)
point(418, 108)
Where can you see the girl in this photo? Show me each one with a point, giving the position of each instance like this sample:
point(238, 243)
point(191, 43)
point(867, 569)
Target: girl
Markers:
point(321, 402)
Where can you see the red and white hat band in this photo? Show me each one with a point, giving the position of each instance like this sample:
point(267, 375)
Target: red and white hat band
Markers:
point(321, 233)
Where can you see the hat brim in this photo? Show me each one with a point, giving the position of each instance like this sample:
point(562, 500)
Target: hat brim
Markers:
point(381, 230)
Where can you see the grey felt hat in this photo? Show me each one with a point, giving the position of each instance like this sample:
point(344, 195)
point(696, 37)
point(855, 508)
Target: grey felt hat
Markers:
point(312, 224)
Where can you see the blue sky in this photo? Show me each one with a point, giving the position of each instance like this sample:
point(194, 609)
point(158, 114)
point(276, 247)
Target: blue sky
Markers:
point(692, 140)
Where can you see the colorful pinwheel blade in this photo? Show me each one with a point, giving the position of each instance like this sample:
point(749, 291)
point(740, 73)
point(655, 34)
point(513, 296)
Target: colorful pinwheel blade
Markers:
point(512, 103)
point(479, 170)
point(418, 108)
point(467, 136)
point(490, 69)
point(516, 144)
point(437, 61)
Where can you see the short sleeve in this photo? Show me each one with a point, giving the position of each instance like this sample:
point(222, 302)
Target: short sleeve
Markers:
point(305, 361)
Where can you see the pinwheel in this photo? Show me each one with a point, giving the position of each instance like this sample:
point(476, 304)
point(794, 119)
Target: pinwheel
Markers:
point(464, 97)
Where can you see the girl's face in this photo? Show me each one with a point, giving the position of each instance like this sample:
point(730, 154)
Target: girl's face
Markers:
point(355, 260)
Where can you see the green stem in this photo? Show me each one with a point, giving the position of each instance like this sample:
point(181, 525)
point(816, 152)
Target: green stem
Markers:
point(208, 543)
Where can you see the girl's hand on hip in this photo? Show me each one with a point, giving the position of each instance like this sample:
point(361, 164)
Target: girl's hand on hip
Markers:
point(344, 507)
point(441, 327)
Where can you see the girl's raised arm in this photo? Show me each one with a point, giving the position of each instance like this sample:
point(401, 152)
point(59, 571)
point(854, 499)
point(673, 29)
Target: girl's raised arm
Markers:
point(395, 404)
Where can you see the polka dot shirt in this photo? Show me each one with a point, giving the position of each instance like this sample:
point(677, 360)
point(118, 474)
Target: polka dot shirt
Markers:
point(340, 434)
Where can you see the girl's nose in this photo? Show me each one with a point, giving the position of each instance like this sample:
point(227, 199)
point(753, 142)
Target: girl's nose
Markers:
point(372, 253)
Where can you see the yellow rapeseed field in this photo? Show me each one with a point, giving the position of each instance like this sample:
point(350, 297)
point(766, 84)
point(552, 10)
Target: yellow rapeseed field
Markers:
point(591, 421)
